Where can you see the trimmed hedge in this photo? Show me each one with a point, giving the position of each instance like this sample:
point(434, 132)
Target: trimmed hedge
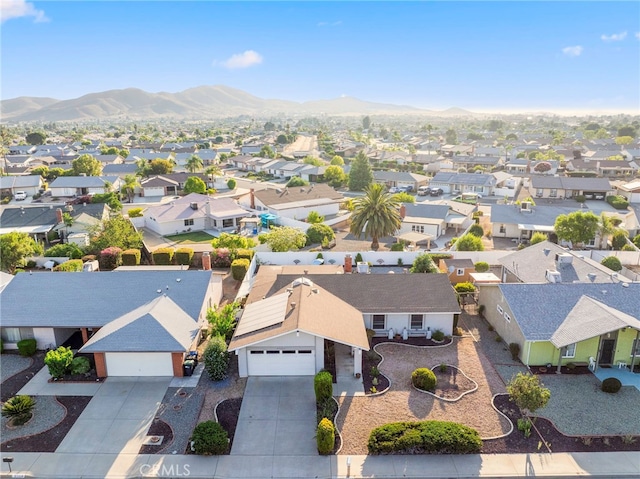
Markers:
point(244, 253)
point(184, 256)
point(71, 266)
point(424, 379)
point(163, 256)
point(325, 437)
point(618, 202)
point(210, 438)
point(424, 437)
point(27, 347)
point(131, 257)
point(239, 268)
point(323, 386)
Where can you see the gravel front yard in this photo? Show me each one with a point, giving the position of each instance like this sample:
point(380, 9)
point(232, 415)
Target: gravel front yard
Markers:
point(359, 415)
point(12, 364)
point(47, 412)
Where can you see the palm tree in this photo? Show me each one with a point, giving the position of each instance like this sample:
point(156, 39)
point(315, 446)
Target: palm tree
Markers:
point(376, 215)
point(194, 163)
point(129, 186)
point(606, 228)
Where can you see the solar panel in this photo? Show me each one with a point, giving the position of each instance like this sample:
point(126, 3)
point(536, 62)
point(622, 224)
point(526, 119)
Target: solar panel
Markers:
point(262, 314)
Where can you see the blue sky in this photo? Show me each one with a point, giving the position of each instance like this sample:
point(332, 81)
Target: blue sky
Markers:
point(483, 56)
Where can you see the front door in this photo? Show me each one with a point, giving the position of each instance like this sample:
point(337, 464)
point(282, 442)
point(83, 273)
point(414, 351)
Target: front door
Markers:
point(606, 355)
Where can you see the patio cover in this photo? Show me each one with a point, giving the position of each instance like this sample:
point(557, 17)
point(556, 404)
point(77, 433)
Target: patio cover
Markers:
point(590, 318)
point(527, 227)
point(413, 237)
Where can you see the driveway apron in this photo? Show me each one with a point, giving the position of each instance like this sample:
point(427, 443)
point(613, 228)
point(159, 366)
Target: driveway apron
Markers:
point(118, 417)
point(277, 417)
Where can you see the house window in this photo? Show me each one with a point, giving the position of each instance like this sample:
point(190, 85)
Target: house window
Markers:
point(188, 222)
point(553, 193)
point(378, 321)
point(507, 317)
point(500, 310)
point(228, 223)
point(460, 272)
point(569, 351)
point(13, 335)
point(416, 321)
point(503, 230)
point(636, 346)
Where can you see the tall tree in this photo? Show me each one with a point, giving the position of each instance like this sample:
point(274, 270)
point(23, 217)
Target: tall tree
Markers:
point(129, 186)
point(576, 227)
point(160, 167)
point(118, 232)
point(87, 165)
point(605, 229)
point(451, 137)
point(366, 122)
point(360, 175)
point(14, 248)
point(337, 161)
point(36, 138)
point(194, 163)
point(335, 176)
point(375, 215)
point(194, 185)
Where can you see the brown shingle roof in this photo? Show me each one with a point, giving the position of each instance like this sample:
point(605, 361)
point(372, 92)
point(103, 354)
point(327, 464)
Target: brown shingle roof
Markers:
point(298, 193)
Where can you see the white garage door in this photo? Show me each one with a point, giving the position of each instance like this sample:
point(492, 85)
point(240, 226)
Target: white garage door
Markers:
point(139, 364)
point(154, 191)
point(282, 362)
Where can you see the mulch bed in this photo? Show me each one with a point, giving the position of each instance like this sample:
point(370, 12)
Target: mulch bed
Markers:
point(158, 428)
point(451, 383)
point(90, 377)
point(15, 383)
point(413, 341)
point(371, 359)
point(228, 412)
point(48, 441)
point(558, 442)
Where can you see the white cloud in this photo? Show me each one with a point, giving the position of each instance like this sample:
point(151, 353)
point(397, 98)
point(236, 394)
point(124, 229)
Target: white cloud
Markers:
point(638, 35)
point(614, 37)
point(242, 60)
point(330, 24)
point(20, 8)
point(574, 51)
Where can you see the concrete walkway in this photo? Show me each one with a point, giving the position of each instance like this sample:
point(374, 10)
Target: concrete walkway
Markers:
point(346, 383)
point(93, 466)
point(277, 417)
point(39, 385)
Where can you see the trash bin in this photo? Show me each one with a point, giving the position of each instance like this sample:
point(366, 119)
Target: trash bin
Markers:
point(192, 356)
point(188, 366)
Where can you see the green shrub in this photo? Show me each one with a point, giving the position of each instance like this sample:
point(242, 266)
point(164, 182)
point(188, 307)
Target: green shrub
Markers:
point(323, 386)
point(318, 232)
point(68, 250)
point(636, 241)
point(612, 263)
point(239, 268)
point(538, 237)
point(580, 198)
point(231, 184)
point(325, 437)
point(424, 379)
point(184, 256)
point(514, 349)
point(58, 361)
point(437, 335)
point(476, 230)
point(71, 266)
point(619, 239)
point(481, 309)
point(18, 408)
point(618, 202)
point(370, 335)
point(464, 287)
point(628, 247)
point(436, 257)
point(27, 347)
point(131, 257)
point(424, 437)
point(223, 321)
point(210, 438)
point(359, 258)
point(1, 346)
point(89, 257)
point(611, 385)
point(216, 358)
point(135, 212)
point(244, 253)
point(163, 256)
point(524, 426)
point(498, 339)
point(79, 365)
point(397, 247)
point(482, 266)
point(328, 408)
point(110, 258)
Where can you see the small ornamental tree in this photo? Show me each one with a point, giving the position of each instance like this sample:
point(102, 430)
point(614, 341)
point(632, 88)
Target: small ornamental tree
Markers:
point(469, 242)
point(223, 322)
point(464, 288)
point(318, 233)
point(476, 230)
point(538, 237)
point(612, 262)
point(221, 258)
point(232, 241)
point(528, 393)
point(184, 256)
point(619, 239)
point(216, 358)
point(58, 361)
point(194, 185)
point(231, 184)
point(542, 167)
point(135, 213)
point(110, 258)
point(68, 250)
point(314, 217)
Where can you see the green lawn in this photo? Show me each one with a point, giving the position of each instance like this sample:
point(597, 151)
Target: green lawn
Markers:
point(192, 237)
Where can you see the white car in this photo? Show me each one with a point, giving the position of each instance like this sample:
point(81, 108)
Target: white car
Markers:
point(394, 189)
point(20, 196)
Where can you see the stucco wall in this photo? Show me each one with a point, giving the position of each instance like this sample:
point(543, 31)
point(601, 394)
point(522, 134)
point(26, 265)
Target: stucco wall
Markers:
point(490, 296)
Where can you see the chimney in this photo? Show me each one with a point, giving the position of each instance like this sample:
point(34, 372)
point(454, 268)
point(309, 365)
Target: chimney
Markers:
point(403, 211)
point(59, 215)
point(348, 263)
point(252, 199)
point(206, 261)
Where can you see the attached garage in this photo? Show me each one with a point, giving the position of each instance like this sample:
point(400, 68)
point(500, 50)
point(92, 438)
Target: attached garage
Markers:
point(281, 362)
point(139, 364)
point(150, 191)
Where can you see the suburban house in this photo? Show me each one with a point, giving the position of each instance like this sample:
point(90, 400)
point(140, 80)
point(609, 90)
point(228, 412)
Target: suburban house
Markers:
point(67, 186)
point(400, 179)
point(194, 212)
point(173, 183)
point(30, 184)
point(295, 202)
point(517, 166)
point(433, 219)
point(288, 317)
point(144, 332)
point(521, 221)
point(479, 183)
point(459, 270)
point(607, 168)
point(120, 169)
point(470, 162)
point(560, 323)
point(631, 191)
point(570, 187)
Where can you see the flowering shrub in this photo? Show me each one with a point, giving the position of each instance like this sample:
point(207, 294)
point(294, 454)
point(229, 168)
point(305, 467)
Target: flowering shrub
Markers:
point(110, 258)
point(221, 258)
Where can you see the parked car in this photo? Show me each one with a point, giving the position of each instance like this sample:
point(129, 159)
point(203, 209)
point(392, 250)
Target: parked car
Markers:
point(435, 192)
point(394, 189)
point(423, 191)
point(406, 189)
point(20, 195)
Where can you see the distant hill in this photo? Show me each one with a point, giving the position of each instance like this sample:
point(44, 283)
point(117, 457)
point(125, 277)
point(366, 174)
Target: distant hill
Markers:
point(204, 102)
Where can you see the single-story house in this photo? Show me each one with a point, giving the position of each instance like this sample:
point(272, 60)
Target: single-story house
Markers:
point(434, 218)
point(631, 191)
point(30, 184)
point(518, 166)
point(521, 221)
point(68, 186)
point(470, 162)
point(400, 179)
point(194, 212)
point(288, 317)
point(561, 323)
point(570, 187)
point(608, 168)
point(146, 332)
point(295, 202)
point(120, 169)
point(464, 182)
point(158, 186)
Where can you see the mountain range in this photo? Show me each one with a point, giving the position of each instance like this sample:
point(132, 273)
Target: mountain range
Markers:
point(200, 103)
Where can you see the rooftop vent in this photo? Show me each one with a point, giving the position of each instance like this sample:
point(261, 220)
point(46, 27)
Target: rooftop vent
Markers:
point(553, 276)
point(525, 206)
point(194, 206)
point(564, 258)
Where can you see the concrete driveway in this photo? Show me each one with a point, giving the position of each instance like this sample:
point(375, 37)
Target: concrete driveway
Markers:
point(277, 417)
point(118, 417)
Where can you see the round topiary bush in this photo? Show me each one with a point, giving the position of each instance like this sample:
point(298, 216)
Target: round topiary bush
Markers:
point(210, 438)
point(611, 385)
point(424, 379)
point(27, 347)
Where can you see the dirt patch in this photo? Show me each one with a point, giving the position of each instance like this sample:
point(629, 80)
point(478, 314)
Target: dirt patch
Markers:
point(228, 413)
point(451, 383)
point(158, 428)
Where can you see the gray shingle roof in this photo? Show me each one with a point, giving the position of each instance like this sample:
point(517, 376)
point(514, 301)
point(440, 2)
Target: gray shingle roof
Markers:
point(475, 179)
point(571, 183)
point(422, 210)
point(20, 181)
point(76, 300)
point(540, 309)
point(293, 194)
point(539, 215)
point(82, 181)
point(45, 215)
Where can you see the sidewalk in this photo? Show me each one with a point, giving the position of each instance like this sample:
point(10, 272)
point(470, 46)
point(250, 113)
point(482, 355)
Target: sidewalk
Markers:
point(566, 465)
